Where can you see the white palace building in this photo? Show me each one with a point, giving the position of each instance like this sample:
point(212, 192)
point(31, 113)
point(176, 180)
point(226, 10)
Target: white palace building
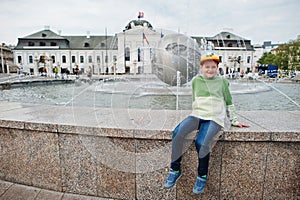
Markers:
point(127, 52)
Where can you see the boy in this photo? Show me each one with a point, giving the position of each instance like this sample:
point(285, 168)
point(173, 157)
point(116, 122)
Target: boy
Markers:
point(211, 99)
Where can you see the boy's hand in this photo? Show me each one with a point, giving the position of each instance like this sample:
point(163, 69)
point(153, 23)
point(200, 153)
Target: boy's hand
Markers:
point(241, 125)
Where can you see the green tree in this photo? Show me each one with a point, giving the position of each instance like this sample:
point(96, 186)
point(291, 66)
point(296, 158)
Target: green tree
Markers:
point(286, 56)
point(295, 56)
point(267, 58)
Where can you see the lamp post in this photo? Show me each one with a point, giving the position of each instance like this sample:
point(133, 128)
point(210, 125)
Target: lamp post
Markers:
point(233, 60)
point(115, 63)
point(2, 60)
point(134, 66)
point(36, 69)
point(47, 66)
point(7, 67)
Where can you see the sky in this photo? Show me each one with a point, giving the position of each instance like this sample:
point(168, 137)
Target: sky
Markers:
point(277, 21)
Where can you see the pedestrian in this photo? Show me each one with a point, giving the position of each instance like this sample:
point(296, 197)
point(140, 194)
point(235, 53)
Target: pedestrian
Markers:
point(67, 73)
point(55, 72)
point(89, 72)
point(211, 99)
point(76, 71)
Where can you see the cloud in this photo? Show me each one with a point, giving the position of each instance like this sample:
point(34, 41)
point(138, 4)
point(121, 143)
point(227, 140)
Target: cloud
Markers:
point(275, 20)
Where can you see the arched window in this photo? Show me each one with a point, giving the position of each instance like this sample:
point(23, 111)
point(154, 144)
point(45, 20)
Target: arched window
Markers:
point(90, 59)
point(81, 59)
point(139, 55)
point(63, 59)
point(239, 59)
point(127, 54)
point(53, 59)
point(230, 44)
point(248, 59)
point(30, 59)
point(19, 59)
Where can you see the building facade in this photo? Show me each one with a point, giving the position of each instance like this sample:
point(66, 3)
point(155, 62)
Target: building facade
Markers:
point(236, 53)
point(45, 49)
point(6, 60)
point(130, 51)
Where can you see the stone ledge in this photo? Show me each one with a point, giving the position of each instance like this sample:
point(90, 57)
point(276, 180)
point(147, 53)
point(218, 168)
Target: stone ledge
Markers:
point(266, 127)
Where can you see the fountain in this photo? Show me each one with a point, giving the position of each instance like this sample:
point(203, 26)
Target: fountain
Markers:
point(121, 130)
point(176, 52)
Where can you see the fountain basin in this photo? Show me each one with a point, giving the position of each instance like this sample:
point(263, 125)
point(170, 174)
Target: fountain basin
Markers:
point(79, 152)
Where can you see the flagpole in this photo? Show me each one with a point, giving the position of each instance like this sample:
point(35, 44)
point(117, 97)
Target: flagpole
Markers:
point(106, 55)
point(143, 51)
point(124, 51)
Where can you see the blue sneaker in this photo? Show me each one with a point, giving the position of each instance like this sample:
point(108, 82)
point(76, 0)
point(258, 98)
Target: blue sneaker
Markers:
point(199, 185)
point(172, 178)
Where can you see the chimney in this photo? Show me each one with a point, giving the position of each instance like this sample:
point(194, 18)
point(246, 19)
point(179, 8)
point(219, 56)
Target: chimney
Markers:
point(88, 34)
point(59, 32)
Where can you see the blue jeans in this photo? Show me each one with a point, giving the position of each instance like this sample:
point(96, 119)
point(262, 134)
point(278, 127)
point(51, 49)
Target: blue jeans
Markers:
point(207, 129)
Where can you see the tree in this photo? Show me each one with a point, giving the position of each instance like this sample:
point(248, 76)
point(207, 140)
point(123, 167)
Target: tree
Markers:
point(267, 58)
point(286, 56)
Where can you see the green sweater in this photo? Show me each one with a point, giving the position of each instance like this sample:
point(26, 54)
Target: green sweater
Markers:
point(211, 99)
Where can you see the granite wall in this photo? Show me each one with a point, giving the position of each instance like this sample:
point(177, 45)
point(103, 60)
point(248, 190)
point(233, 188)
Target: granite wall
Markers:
point(132, 164)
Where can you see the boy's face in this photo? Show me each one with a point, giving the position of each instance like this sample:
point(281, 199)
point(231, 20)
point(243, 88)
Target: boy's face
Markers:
point(209, 69)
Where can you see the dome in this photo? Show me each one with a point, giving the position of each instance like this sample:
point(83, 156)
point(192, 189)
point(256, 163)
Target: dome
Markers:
point(134, 23)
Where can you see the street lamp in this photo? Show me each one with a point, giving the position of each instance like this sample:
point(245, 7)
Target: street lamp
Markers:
point(115, 63)
point(50, 64)
point(134, 66)
point(36, 69)
point(2, 60)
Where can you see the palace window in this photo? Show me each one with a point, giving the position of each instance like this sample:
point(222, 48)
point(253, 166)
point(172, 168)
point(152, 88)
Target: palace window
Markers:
point(42, 44)
point(30, 59)
point(127, 54)
point(81, 59)
point(90, 59)
point(139, 55)
point(19, 59)
point(239, 59)
point(30, 44)
point(63, 59)
point(248, 59)
point(53, 59)
point(73, 59)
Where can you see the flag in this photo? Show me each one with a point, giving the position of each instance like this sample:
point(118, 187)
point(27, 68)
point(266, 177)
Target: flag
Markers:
point(144, 38)
point(141, 15)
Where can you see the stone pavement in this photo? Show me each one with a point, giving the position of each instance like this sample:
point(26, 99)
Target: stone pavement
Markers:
point(12, 191)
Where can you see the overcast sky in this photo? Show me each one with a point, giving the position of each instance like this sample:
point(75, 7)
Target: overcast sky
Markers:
point(257, 20)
